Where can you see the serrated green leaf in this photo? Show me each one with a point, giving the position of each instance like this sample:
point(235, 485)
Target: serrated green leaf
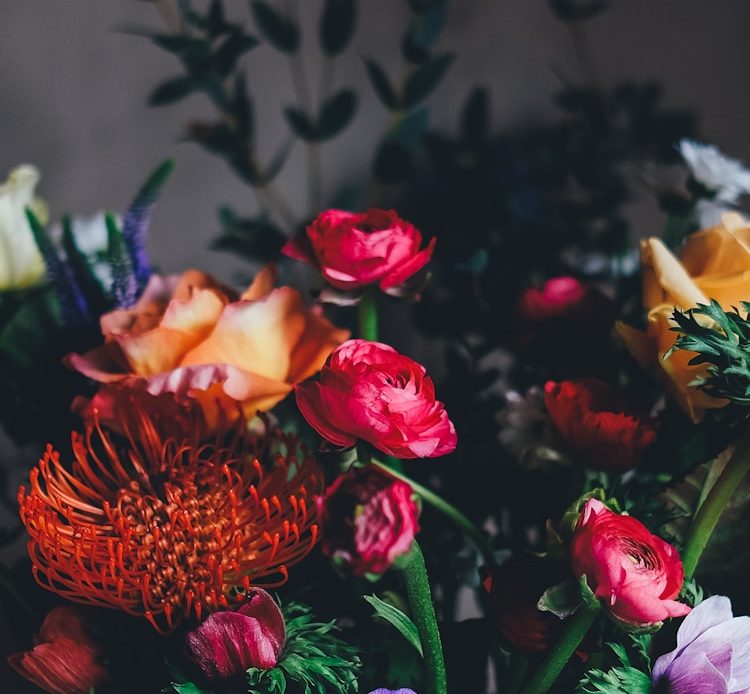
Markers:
point(189, 688)
point(424, 79)
point(382, 85)
point(337, 23)
point(278, 29)
point(398, 619)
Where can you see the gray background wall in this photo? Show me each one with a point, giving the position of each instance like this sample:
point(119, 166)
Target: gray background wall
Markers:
point(73, 89)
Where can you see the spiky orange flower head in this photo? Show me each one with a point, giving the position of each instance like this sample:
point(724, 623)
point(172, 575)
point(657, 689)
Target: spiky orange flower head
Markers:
point(167, 528)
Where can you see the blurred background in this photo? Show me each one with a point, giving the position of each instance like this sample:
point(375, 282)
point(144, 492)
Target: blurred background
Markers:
point(75, 81)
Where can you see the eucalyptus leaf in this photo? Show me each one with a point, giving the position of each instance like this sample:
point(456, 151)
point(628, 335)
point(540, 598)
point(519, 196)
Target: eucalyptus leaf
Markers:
point(382, 85)
point(300, 123)
point(398, 619)
point(336, 113)
point(230, 51)
point(279, 30)
point(424, 79)
point(337, 23)
point(172, 90)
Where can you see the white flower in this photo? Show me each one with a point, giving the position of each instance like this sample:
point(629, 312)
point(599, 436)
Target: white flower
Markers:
point(90, 236)
point(525, 429)
point(726, 177)
point(21, 264)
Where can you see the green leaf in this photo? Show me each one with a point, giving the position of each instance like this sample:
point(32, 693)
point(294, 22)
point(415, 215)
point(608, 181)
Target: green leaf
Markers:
point(189, 688)
point(381, 84)
point(424, 79)
point(422, 32)
point(562, 599)
point(578, 10)
point(336, 113)
point(398, 619)
point(180, 45)
point(337, 23)
point(172, 90)
point(300, 123)
point(475, 118)
point(231, 50)
point(279, 30)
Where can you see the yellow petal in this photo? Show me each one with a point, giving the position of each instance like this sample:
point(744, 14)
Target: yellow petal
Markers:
point(668, 274)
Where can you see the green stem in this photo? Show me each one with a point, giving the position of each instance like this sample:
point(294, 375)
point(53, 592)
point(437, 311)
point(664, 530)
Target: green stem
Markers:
point(477, 537)
point(558, 657)
point(368, 316)
point(423, 614)
point(710, 510)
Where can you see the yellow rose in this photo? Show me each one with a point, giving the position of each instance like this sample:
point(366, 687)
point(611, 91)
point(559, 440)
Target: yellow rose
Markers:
point(21, 264)
point(713, 264)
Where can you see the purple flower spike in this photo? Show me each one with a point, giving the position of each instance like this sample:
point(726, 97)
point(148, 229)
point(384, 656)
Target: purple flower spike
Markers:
point(392, 691)
point(712, 654)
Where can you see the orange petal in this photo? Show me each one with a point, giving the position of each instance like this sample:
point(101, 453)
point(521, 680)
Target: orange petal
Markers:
point(320, 338)
point(255, 336)
point(262, 285)
point(663, 270)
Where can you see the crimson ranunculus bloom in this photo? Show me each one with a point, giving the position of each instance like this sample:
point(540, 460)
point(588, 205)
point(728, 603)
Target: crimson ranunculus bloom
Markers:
point(514, 589)
point(228, 643)
point(558, 297)
point(65, 659)
point(352, 250)
point(368, 519)
point(636, 574)
point(368, 391)
point(597, 424)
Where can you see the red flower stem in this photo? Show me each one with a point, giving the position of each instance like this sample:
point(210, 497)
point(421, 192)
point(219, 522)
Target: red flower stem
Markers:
point(559, 656)
point(710, 511)
point(368, 315)
point(477, 537)
point(423, 613)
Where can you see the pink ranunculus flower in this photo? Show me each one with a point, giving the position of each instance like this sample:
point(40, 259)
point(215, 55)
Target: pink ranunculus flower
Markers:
point(368, 519)
point(368, 391)
point(65, 659)
point(636, 574)
point(353, 250)
point(228, 643)
point(559, 296)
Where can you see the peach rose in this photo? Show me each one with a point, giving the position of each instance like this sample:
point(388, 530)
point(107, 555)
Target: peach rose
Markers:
point(195, 338)
point(712, 264)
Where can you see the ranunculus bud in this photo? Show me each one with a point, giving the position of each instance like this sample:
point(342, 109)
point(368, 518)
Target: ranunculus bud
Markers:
point(565, 325)
point(65, 659)
point(597, 424)
point(354, 250)
point(635, 574)
point(228, 643)
point(368, 391)
point(514, 589)
point(712, 653)
point(368, 519)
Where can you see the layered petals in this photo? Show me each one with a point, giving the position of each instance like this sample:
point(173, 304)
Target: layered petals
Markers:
point(636, 574)
point(193, 337)
point(368, 391)
point(354, 250)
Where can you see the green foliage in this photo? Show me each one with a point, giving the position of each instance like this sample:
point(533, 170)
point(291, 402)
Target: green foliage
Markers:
point(279, 29)
point(314, 657)
point(721, 341)
point(254, 238)
point(337, 23)
point(398, 619)
point(626, 679)
point(562, 599)
point(335, 114)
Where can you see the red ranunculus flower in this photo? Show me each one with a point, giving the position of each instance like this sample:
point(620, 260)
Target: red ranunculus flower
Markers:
point(514, 589)
point(353, 250)
point(559, 297)
point(368, 519)
point(368, 391)
point(228, 643)
point(636, 574)
point(65, 659)
point(597, 423)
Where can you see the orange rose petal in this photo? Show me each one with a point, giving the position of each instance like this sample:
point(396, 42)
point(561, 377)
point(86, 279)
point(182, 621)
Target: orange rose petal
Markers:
point(670, 275)
point(256, 336)
point(320, 338)
point(105, 364)
point(262, 285)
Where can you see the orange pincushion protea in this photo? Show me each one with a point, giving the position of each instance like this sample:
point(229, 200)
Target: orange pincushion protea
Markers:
point(167, 529)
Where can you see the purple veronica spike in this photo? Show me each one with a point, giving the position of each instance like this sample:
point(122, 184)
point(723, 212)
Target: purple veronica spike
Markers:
point(392, 691)
point(137, 219)
point(712, 654)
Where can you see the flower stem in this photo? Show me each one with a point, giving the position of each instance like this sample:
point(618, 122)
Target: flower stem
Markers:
point(710, 510)
point(558, 657)
point(423, 614)
point(477, 537)
point(368, 316)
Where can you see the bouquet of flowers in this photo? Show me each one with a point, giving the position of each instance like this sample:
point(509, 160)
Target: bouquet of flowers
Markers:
point(462, 431)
